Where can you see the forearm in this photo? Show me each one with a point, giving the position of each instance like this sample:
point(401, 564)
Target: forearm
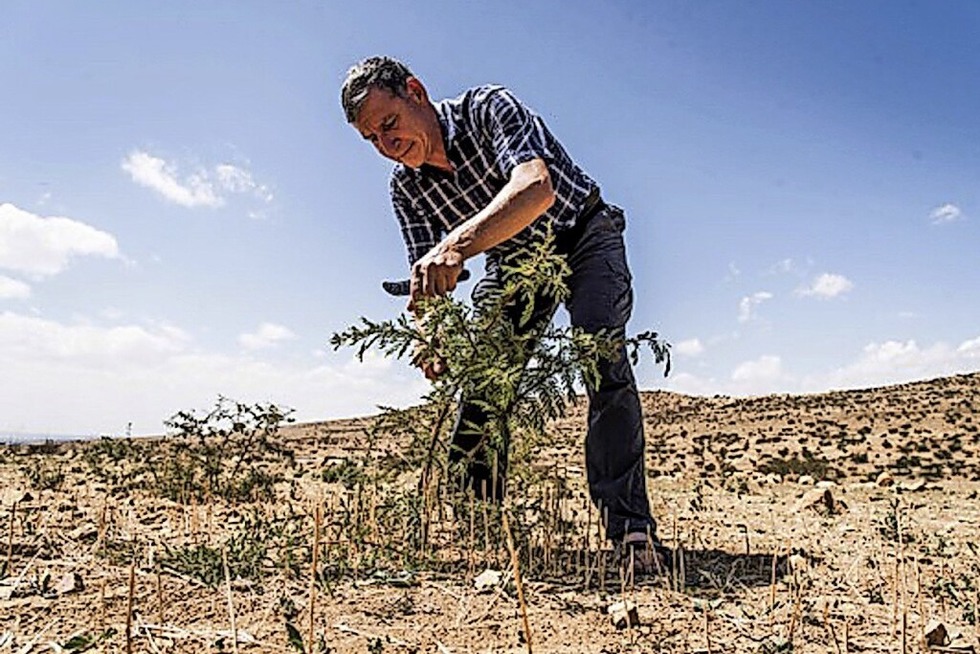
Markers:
point(527, 195)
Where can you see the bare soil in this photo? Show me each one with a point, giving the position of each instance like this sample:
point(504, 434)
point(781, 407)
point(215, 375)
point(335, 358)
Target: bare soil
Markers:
point(837, 522)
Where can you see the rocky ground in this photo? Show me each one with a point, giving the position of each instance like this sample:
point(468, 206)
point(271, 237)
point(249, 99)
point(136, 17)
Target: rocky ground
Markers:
point(839, 522)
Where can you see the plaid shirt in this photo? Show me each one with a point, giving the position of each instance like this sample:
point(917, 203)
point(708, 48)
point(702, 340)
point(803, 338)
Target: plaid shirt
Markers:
point(487, 132)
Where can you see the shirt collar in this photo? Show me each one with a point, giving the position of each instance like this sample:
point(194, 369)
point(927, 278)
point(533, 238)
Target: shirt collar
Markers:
point(444, 113)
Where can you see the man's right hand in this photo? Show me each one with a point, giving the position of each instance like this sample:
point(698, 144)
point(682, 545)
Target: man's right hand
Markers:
point(435, 274)
point(432, 366)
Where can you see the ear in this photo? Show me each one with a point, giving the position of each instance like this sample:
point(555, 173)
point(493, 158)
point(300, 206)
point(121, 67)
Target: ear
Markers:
point(415, 90)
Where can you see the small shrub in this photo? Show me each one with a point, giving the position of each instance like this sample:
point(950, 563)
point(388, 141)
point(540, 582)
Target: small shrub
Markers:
point(44, 473)
point(229, 452)
point(246, 551)
point(521, 378)
point(893, 526)
point(818, 468)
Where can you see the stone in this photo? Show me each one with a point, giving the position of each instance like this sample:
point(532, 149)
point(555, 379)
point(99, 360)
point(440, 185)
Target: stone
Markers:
point(934, 634)
point(487, 580)
point(70, 582)
point(885, 479)
point(806, 480)
point(623, 614)
point(775, 645)
point(820, 499)
point(912, 486)
point(83, 532)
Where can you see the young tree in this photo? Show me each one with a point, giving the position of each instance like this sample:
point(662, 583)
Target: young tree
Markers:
point(523, 377)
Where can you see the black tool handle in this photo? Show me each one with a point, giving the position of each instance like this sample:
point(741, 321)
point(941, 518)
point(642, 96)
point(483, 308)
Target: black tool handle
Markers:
point(404, 286)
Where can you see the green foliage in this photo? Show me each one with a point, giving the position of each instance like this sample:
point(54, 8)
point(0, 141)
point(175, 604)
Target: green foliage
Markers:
point(345, 472)
point(44, 473)
point(807, 464)
point(246, 551)
point(85, 641)
point(116, 462)
point(231, 452)
point(228, 452)
point(894, 525)
point(521, 378)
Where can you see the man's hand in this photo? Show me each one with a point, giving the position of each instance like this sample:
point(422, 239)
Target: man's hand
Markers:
point(435, 274)
point(432, 366)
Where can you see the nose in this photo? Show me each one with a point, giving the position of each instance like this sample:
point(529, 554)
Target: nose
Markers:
point(388, 144)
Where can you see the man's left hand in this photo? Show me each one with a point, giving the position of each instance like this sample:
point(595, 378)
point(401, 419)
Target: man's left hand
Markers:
point(435, 274)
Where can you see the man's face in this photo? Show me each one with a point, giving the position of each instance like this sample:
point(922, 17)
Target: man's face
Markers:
point(400, 128)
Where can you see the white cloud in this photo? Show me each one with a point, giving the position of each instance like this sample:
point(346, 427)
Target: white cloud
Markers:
point(39, 339)
point(877, 364)
point(945, 213)
point(969, 349)
point(892, 362)
point(826, 286)
point(238, 180)
point(783, 267)
point(267, 335)
point(13, 289)
point(767, 368)
point(40, 246)
point(202, 188)
point(193, 191)
point(86, 379)
point(747, 305)
point(692, 347)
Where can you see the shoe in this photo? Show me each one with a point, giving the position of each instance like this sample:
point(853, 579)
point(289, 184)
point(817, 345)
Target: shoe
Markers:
point(639, 554)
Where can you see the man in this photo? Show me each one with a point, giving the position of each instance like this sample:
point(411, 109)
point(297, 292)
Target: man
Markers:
point(475, 175)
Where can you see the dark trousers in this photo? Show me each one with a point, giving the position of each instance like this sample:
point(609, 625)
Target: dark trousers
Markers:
point(601, 298)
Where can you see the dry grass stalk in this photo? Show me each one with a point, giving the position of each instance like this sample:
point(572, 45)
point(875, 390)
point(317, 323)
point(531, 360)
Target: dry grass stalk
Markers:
point(102, 605)
point(772, 588)
point(471, 545)
point(905, 622)
point(231, 601)
point(795, 612)
point(10, 541)
point(100, 541)
point(830, 627)
point(707, 630)
point(160, 604)
point(317, 521)
point(129, 605)
point(675, 560)
point(517, 578)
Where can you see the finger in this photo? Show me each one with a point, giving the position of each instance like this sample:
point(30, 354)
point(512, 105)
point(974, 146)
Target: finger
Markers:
point(429, 281)
point(441, 285)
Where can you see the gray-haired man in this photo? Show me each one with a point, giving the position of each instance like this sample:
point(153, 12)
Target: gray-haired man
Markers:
point(475, 175)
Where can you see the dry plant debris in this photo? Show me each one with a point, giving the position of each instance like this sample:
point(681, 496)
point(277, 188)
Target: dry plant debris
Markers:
point(843, 522)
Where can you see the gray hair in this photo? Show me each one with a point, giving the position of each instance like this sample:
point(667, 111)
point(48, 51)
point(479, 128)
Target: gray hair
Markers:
point(373, 72)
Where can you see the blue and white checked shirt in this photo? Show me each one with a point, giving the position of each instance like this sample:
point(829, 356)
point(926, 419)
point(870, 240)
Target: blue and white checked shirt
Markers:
point(487, 133)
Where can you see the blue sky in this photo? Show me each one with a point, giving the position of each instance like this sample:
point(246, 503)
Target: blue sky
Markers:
point(184, 212)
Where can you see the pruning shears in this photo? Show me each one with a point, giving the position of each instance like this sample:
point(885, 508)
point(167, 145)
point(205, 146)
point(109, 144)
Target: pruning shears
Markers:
point(403, 287)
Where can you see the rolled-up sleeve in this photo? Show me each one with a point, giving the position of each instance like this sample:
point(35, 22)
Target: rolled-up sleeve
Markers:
point(517, 134)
